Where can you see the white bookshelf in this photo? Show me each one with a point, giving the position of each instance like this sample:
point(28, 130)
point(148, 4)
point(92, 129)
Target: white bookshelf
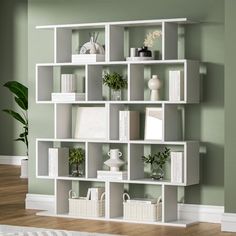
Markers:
point(116, 41)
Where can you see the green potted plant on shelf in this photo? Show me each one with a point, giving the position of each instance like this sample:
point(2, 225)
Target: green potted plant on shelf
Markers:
point(116, 83)
point(157, 162)
point(76, 158)
point(20, 93)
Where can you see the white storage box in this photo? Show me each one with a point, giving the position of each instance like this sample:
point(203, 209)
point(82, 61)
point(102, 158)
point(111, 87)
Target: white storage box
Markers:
point(86, 208)
point(142, 211)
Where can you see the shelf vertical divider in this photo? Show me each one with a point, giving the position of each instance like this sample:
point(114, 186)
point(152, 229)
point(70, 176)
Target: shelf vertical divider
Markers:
point(62, 45)
point(169, 203)
point(169, 40)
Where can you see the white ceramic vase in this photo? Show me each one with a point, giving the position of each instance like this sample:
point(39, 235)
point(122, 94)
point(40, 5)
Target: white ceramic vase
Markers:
point(114, 162)
point(154, 85)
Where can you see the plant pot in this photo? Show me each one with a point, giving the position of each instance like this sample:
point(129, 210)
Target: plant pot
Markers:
point(24, 169)
point(157, 172)
point(116, 95)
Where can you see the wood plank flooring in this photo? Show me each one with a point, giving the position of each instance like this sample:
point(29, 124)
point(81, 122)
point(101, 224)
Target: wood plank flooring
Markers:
point(12, 212)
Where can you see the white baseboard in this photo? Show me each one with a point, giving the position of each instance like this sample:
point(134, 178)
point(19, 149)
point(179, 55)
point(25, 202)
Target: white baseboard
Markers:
point(203, 213)
point(40, 202)
point(228, 222)
point(11, 160)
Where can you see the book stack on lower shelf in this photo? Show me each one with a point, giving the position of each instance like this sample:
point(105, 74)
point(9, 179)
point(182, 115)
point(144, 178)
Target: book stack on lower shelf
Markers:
point(112, 175)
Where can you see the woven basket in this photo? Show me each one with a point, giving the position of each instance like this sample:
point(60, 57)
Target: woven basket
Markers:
point(142, 211)
point(84, 207)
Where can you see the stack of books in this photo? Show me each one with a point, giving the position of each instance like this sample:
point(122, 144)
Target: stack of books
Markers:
point(177, 167)
point(95, 193)
point(129, 125)
point(84, 58)
point(176, 85)
point(112, 175)
point(68, 97)
point(58, 162)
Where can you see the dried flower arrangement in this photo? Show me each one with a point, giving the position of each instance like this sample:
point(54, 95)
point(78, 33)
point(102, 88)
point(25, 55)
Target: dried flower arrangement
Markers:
point(150, 37)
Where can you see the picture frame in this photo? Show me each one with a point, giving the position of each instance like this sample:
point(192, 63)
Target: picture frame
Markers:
point(91, 123)
point(153, 123)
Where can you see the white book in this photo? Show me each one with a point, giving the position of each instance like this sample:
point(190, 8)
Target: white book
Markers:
point(113, 175)
point(95, 193)
point(177, 167)
point(176, 85)
point(58, 164)
point(68, 97)
point(83, 58)
point(129, 123)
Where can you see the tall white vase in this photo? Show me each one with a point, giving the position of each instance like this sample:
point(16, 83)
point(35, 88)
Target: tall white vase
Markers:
point(114, 162)
point(154, 85)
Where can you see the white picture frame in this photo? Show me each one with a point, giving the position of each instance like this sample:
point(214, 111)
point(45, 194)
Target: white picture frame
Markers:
point(91, 123)
point(153, 123)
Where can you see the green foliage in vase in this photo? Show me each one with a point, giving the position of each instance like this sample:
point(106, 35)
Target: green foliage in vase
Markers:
point(76, 157)
point(21, 98)
point(158, 159)
point(114, 81)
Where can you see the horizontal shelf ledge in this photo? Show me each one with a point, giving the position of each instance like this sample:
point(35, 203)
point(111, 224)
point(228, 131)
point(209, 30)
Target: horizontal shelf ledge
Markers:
point(117, 141)
point(177, 223)
point(178, 61)
point(112, 102)
point(121, 23)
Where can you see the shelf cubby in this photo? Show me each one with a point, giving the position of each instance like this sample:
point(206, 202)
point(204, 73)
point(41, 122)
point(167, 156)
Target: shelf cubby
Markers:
point(98, 154)
point(48, 80)
point(80, 187)
point(64, 169)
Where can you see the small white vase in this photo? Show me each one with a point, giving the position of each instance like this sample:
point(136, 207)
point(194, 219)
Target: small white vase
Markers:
point(154, 85)
point(114, 162)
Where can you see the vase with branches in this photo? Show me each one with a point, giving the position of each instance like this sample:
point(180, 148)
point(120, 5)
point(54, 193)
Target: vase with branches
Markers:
point(157, 162)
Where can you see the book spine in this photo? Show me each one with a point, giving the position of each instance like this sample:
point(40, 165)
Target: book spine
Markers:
point(123, 125)
point(52, 162)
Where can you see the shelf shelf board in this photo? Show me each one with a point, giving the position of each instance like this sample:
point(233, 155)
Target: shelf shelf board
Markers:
point(121, 23)
point(177, 223)
point(177, 61)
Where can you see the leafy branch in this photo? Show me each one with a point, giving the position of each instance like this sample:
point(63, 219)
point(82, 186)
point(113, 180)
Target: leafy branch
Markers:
point(114, 81)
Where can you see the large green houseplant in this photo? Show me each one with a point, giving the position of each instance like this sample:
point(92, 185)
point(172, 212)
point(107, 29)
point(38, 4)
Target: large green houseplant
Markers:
point(20, 93)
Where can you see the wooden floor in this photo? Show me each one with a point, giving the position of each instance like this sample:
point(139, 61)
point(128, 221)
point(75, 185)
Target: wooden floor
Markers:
point(12, 212)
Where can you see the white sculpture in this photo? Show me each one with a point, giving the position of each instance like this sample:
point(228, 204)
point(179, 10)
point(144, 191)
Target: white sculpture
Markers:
point(114, 162)
point(154, 85)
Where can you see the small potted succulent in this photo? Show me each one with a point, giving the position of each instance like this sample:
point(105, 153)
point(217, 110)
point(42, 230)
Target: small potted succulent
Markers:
point(116, 83)
point(76, 159)
point(157, 162)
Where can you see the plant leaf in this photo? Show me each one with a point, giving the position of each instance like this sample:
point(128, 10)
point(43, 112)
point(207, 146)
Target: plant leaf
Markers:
point(16, 116)
point(18, 89)
point(22, 103)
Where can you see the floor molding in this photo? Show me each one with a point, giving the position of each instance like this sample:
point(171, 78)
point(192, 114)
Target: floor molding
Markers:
point(202, 213)
point(11, 160)
point(228, 222)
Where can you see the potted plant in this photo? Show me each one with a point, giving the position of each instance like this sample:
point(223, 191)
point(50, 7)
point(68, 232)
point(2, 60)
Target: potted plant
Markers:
point(20, 93)
point(116, 83)
point(157, 161)
point(76, 158)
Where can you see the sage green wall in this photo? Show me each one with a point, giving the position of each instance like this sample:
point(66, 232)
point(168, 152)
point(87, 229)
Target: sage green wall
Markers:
point(13, 61)
point(205, 43)
point(230, 111)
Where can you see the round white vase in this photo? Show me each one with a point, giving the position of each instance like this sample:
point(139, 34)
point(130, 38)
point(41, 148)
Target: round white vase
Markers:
point(114, 162)
point(154, 85)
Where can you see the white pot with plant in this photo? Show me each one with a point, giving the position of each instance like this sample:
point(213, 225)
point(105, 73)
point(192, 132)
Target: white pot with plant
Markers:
point(20, 93)
point(116, 83)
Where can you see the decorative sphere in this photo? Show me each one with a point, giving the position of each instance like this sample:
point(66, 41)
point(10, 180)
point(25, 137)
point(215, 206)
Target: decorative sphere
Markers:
point(154, 83)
